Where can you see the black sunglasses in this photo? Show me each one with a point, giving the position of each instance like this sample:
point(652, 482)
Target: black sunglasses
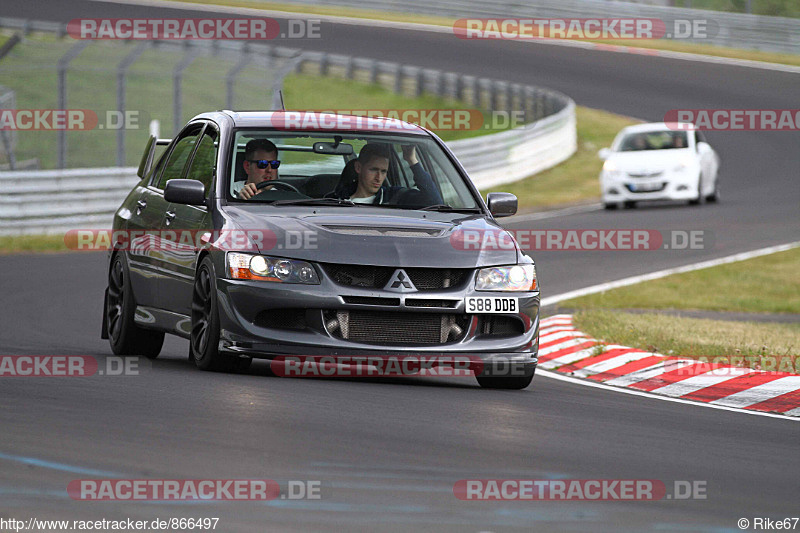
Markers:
point(263, 163)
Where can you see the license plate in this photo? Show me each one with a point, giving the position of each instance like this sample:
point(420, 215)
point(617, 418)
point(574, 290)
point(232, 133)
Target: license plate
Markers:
point(644, 187)
point(491, 304)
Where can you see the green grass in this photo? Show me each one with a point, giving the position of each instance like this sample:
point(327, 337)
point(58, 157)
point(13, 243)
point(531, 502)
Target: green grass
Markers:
point(32, 243)
point(769, 7)
point(576, 179)
point(777, 344)
point(767, 284)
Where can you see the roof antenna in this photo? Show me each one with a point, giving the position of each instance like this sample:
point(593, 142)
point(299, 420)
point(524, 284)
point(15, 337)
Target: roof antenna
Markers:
point(280, 93)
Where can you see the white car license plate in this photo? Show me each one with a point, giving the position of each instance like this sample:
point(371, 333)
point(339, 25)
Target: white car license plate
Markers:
point(491, 304)
point(645, 187)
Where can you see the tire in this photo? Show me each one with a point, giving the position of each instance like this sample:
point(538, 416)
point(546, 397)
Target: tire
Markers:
point(700, 200)
point(629, 204)
point(494, 379)
point(610, 206)
point(204, 340)
point(714, 196)
point(124, 336)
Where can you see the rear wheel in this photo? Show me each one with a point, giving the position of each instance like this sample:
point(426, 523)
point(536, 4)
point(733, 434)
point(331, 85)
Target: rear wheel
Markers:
point(513, 377)
point(204, 340)
point(125, 337)
point(629, 204)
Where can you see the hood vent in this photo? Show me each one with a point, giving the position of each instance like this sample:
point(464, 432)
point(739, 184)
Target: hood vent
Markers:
point(388, 232)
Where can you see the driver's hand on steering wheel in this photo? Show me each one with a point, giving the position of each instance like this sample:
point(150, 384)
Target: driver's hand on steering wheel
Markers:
point(250, 190)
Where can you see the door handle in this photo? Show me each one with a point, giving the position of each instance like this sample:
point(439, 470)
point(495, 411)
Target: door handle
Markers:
point(169, 215)
point(140, 205)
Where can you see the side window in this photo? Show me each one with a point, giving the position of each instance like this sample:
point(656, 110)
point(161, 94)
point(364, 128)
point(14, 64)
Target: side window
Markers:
point(449, 193)
point(205, 160)
point(177, 159)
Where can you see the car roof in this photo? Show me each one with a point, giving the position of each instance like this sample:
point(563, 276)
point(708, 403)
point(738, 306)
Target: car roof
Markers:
point(317, 121)
point(659, 126)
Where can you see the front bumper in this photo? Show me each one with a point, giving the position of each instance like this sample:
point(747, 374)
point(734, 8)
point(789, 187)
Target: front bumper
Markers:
point(267, 320)
point(668, 186)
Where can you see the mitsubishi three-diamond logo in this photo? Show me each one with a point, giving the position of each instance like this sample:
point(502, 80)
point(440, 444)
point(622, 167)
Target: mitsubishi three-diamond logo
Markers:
point(400, 282)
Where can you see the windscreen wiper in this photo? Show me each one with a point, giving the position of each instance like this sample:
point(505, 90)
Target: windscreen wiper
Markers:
point(315, 201)
point(445, 208)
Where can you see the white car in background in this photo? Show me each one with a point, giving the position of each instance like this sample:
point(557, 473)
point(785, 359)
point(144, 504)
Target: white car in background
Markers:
point(659, 161)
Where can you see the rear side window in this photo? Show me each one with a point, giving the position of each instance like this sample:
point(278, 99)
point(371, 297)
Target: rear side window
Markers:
point(205, 159)
point(177, 159)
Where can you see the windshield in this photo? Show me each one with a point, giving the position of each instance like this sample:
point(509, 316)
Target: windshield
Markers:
point(400, 171)
point(653, 140)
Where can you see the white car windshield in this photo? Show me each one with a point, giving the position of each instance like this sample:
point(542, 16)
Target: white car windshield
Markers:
point(653, 140)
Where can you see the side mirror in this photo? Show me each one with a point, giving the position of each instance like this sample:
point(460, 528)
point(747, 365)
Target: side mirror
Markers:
point(604, 153)
point(181, 191)
point(501, 204)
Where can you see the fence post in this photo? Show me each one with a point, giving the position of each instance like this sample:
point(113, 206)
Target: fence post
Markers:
point(122, 70)
point(230, 77)
point(61, 68)
point(177, 77)
point(373, 71)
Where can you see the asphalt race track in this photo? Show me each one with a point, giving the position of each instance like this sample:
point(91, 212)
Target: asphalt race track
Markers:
point(388, 453)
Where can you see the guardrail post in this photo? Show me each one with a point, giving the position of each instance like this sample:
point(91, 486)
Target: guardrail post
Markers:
point(398, 79)
point(122, 70)
point(349, 68)
point(373, 71)
point(324, 64)
point(230, 77)
point(177, 78)
point(419, 82)
point(438, 83)
point(61, 68)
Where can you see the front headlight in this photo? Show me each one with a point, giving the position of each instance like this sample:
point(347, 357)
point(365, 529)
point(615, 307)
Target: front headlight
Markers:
point(507, 278)
point(263, 268)
point(611, 169)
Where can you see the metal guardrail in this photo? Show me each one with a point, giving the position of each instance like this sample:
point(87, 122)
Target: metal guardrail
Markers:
point(55, 201)
point(736, 30)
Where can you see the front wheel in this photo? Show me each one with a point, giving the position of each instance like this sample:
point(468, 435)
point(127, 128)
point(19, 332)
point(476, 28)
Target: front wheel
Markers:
point(204, 340)
point(125, 337)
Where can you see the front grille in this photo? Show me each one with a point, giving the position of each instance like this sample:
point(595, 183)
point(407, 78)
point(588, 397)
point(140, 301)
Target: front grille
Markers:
point(294, 319)
point(636, 189)
point(370, 300)
point(376, 277)
point(394, 327)
point(419, 302)
point(501, 326)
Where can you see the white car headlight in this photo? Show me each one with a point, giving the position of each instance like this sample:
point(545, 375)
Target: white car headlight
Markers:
point(507, 278)
point(611, 169)
point(276, 269)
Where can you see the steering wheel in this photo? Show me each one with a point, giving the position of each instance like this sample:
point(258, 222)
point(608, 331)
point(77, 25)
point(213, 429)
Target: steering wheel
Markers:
point(264, 184)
